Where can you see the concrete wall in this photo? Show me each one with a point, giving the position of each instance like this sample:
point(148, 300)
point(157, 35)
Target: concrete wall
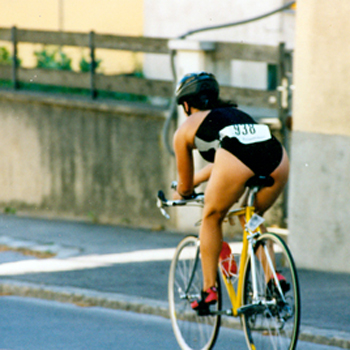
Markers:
point(81, 159)
point(319, 185)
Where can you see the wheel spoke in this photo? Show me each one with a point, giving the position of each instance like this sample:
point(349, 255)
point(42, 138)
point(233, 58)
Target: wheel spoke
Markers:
point(276, 326)
point(191, 330)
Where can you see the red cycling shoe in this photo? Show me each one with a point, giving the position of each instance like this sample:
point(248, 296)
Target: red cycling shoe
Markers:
point(285, 286)
point(208, 297)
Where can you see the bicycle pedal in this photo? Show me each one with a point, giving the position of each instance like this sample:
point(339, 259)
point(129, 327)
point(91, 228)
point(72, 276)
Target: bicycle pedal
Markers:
point(251, 309)
point(203, 311)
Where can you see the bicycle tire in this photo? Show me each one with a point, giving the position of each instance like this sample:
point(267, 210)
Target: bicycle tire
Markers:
point(274, 326)
point(192, 332)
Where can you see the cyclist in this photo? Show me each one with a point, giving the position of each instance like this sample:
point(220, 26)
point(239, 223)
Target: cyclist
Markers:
point(237, 148)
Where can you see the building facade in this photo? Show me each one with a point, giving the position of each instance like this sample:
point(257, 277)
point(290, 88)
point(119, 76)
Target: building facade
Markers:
point(320, 156)
point(105, 17)
point(172, 19)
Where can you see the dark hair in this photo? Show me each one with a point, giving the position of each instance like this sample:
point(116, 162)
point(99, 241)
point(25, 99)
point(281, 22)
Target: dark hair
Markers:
point(204, 102)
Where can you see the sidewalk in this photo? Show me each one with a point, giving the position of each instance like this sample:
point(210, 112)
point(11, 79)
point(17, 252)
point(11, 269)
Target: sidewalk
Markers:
point(125, 268)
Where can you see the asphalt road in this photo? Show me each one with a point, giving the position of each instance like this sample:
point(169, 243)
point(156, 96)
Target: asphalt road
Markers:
point(325, 301)
point(32, 324)
point(135, 263)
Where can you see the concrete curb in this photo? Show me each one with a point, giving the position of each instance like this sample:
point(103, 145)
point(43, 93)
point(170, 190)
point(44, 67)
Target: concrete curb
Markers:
point(85, 297)
point(56, 250)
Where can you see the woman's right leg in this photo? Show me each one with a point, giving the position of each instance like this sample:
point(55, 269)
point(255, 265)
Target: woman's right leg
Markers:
point(225, 187)
point(265, 199)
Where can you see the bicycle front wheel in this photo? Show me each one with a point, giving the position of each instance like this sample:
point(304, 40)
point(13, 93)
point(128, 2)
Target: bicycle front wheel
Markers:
point(274, 323)
point(192, 332)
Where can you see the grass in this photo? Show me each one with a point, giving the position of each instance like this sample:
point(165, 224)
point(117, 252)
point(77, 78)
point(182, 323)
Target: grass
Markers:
point(119, 96)
point(28, 252)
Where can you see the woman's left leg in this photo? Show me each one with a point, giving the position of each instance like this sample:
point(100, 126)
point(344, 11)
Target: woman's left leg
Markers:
point(225, 187)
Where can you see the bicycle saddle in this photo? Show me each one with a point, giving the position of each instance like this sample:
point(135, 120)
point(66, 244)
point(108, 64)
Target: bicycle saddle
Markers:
point(260, 181)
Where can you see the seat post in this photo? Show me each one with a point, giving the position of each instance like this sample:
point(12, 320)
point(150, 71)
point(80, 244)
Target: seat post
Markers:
point(251, 195)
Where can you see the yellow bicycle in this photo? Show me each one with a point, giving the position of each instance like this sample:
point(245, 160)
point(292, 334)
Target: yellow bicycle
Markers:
point(264, 292)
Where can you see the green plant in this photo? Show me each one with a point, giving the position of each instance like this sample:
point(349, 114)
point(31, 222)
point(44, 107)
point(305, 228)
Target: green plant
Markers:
point(93, 217)
point(53, 59)
point(5, 57)
point(85, 66)
point(10, 210)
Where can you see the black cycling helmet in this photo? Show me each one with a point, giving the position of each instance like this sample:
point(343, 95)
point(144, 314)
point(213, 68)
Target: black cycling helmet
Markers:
point(201, 86)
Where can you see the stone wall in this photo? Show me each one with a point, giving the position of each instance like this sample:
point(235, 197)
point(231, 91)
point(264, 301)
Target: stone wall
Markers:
point(93, 161)
point(80, 159)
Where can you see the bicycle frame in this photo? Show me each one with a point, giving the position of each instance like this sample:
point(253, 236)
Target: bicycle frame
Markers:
point(250, 232)
point(236, 297)
point(264, 293)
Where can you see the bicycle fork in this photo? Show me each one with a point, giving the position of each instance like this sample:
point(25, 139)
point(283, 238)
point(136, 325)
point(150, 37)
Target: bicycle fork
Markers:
point(259, 297)
point(253, 268)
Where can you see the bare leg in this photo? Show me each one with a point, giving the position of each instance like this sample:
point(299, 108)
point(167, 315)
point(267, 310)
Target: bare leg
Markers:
point(211, 242)
point(268, 195)
point(264, 200)
point(225, 186)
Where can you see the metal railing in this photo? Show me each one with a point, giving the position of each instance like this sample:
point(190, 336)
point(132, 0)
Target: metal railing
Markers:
point(129, 84)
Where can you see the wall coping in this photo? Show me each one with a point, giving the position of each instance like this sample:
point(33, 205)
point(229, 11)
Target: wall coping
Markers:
point(84, 103)
point(191, 45)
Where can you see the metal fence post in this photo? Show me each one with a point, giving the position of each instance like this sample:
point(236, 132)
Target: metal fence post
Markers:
point(14, 58)
point(284, 102)
point(93, 92)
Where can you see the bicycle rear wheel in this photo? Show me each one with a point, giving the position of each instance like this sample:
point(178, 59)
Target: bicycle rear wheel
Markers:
point(185, 283)
point(275, 323)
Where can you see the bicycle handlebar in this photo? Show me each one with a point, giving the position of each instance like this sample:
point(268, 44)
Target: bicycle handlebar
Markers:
point(163, 202)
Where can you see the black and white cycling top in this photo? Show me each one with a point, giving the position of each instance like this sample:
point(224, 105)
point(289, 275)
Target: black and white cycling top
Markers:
point(238, 133)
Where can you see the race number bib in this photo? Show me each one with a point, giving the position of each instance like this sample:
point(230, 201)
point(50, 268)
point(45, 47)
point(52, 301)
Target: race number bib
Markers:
point(247, 133)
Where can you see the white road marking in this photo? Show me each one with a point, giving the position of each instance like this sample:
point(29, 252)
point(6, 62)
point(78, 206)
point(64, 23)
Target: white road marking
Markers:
point(90, 261)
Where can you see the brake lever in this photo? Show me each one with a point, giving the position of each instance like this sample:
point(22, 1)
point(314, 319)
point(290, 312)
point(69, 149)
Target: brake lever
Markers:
point(160, 199)
point(164, 213)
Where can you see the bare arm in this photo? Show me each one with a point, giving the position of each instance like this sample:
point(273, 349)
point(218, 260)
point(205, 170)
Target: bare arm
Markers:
point(183, 147)
point(184, 162)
